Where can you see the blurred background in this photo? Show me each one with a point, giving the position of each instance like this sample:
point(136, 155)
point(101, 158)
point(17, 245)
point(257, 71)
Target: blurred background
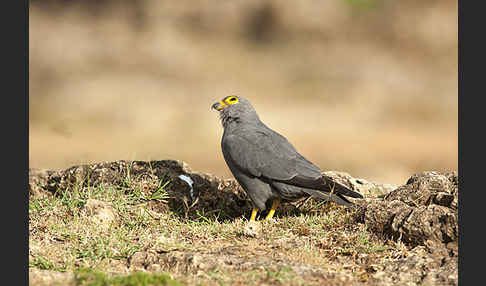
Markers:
point(367, 87)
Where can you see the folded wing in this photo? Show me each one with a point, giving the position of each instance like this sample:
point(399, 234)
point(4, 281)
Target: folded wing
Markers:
point(268, 155)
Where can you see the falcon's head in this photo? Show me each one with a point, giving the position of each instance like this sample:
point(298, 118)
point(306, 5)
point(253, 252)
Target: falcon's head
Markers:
point(235, 109)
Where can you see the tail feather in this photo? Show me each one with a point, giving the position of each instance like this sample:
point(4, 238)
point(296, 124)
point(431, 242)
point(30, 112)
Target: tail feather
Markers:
point(339, 188)
point(324, 183)
point(337, 198)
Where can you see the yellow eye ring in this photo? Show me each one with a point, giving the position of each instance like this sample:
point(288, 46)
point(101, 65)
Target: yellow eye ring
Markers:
point(231, 100)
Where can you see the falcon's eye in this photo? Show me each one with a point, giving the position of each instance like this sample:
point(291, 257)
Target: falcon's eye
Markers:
point(232, 100)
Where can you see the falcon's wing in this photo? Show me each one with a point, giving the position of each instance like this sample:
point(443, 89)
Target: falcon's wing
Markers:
point(268, 154)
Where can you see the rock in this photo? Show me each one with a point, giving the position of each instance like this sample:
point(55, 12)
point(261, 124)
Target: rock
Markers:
point(252, 229)
point(154, 268)
point(100, 213)
point(421, 212)
point(419, 268)
point(138, 260)
point(428, 188)
point(38, 180)
point(144, 260)
point(50, 277)
point(364, 187)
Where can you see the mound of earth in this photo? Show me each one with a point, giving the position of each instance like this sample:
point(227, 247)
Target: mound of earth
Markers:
point(420, 216)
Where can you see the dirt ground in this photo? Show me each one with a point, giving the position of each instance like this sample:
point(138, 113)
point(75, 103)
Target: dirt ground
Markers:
point(365, 87)
point(160, 223)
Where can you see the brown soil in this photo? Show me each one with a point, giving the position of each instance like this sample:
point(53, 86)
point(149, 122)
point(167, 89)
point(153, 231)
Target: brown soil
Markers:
point(404, 235)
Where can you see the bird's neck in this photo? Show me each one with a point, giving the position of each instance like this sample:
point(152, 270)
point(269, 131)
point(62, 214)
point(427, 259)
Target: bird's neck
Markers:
point(230, 122)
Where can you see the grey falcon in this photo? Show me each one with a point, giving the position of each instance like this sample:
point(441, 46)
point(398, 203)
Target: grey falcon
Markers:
point(266, 165)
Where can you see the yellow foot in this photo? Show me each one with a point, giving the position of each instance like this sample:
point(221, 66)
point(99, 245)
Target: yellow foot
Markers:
point(253, 214)
point(270, 214)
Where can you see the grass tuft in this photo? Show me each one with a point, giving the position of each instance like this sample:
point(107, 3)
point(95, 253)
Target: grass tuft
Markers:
point(90, 277)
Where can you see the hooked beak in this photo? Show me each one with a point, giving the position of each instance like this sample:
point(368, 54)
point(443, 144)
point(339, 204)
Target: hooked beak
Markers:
point(218, 105)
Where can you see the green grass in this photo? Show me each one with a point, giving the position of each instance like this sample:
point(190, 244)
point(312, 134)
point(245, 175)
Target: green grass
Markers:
point(363, 240)
point(60, 217)
point(279, 275)
point(89, 277)
point(134, 191)
point(64, 237)
point(44, 264)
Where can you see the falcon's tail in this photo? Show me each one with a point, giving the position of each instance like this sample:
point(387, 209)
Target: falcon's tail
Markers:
point(333, 186)
point(325, 184)
point(337, 198)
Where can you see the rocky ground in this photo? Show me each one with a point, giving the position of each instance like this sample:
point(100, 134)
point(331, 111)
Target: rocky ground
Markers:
point(160, 223)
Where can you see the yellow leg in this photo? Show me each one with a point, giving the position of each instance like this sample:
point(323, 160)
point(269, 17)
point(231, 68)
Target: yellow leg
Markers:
point(275, 204)
point(253, 214)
